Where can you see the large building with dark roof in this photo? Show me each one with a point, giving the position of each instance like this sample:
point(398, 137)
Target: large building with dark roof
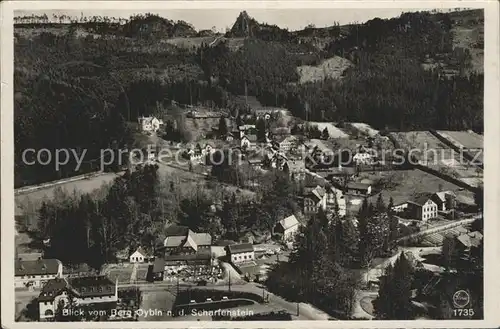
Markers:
point(35, 273)
point(422, 207)
point(240, 253)
point(88, 290)
point(183, 248)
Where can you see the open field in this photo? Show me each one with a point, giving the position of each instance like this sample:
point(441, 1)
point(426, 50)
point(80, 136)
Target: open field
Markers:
point(329, 68)
point(467, 140)
point(81, 186)
point(333, 131)
point(423, 141)
point(406, 183)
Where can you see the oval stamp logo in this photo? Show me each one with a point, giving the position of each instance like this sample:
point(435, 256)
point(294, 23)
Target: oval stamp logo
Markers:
point(461, 298)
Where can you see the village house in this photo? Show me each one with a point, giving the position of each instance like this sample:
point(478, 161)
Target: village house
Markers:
point(422, 208)
point(248, 141)
point(35, 273)
point(288, 228)
point(314, 200)
point(284, 143)
point(139, 256)
point(356, 188)
point(445, 200)
point(149, 124)
point(90, 290)
point(240, 253)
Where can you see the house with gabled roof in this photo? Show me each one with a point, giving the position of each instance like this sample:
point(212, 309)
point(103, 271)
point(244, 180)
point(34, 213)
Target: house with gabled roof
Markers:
point(183, 248)
point(35, 273)
point(288, 227)
point(139, 256)
point(422, 207)
point(445, 200)
point(248, 141)
point(98, 291)
point(240, 253)
point(314, 199)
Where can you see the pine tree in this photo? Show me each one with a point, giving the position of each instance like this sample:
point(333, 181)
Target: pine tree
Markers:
point(390, 206)
point(261, 130)
point(222, 127)
point(325, 134)
point(394, 299)
point(380, 205)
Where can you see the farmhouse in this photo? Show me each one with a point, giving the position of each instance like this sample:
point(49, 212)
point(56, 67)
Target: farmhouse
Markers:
point(359, 188)
point(94, 290)
point(35, 273)
point(444, 200)
point(288, 227)
point(139, 256)
point(240, 253)
point(422, 207)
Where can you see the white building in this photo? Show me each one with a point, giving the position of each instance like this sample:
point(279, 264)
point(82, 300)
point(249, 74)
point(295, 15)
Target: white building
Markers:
point(149, 124)
point(423, 208)
point(288, 227)
point(35, 273)
point(139, 256)
point(93, 290)
point(240, 253)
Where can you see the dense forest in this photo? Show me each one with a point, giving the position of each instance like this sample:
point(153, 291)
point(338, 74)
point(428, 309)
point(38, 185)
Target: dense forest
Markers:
point(80, 90)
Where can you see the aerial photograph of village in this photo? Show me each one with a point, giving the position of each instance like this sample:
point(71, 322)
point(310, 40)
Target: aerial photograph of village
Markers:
point(258, 166)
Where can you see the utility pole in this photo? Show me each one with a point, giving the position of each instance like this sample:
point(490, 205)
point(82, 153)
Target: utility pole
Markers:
point(298, 310)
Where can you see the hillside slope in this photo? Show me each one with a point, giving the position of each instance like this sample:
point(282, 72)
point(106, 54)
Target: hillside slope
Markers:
point(331, 68)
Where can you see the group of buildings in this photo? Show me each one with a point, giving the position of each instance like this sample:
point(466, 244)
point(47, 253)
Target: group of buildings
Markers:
point(59, 289)
point(427, 206)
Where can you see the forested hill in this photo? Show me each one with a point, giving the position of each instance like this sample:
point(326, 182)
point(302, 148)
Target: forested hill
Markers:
point(79, 81)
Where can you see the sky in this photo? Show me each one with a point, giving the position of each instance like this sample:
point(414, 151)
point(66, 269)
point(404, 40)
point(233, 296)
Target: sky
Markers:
point(293, 19)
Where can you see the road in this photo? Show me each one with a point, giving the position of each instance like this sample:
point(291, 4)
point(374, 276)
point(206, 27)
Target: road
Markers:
point(440, 228)
point(306, 312)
